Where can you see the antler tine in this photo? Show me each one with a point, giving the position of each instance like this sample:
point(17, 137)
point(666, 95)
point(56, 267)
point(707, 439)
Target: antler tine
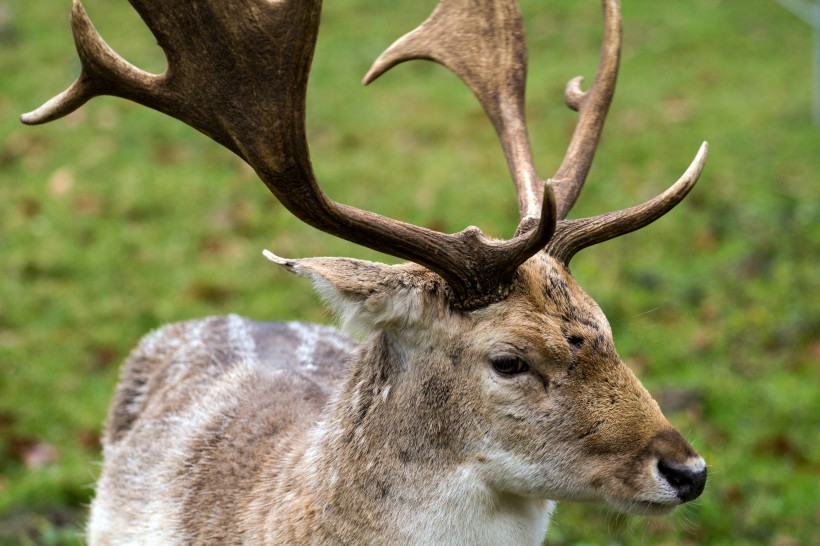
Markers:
point(103, 73)
point(574, 235)
point(237, 71)
point(483, 42)
point(593, 107)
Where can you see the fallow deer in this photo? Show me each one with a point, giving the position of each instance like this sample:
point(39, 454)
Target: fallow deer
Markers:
point(487, 387)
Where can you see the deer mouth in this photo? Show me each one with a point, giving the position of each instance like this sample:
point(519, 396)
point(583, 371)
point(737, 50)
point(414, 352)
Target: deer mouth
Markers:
point(642, 507)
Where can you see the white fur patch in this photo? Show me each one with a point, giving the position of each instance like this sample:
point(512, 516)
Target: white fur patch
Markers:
point(396, 309)
point(467, 511)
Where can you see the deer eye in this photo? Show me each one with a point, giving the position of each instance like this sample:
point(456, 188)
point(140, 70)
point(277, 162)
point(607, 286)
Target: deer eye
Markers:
point(510, 365)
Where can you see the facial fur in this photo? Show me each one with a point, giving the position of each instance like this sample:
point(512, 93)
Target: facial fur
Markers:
point(577, 425)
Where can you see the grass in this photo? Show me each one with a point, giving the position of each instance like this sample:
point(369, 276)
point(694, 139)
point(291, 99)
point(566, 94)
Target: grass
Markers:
point(117, 220)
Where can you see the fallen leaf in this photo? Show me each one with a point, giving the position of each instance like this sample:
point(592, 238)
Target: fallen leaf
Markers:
point(61, 182)
point(89, 439)
point(37, 455)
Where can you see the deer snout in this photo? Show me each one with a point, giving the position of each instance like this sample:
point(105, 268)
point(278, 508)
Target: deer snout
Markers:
point(683, 470)
point(688, 480)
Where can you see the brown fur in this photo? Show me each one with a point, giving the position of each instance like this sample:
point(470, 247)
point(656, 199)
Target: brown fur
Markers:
point(223, 432)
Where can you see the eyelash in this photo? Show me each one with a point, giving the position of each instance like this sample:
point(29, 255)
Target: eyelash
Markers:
point(510, 365)
point(513, 365)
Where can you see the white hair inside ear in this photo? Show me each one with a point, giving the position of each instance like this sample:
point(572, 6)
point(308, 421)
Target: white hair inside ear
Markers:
point(363, 295)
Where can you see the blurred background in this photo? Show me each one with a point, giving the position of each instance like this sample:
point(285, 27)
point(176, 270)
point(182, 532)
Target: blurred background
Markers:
point(117, 219)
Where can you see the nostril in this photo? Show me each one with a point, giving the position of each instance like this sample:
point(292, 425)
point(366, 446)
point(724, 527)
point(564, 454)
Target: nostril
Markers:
point(687, 482)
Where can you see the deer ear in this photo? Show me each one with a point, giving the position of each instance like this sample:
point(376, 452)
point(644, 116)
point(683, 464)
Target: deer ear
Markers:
point(364, 295)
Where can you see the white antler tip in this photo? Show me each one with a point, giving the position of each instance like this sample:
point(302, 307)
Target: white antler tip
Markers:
point(700, 158)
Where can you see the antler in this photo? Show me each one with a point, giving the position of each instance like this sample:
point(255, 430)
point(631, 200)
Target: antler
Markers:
point(593, 106)
point(237, 72)
point(483, 42)
point(574, 235)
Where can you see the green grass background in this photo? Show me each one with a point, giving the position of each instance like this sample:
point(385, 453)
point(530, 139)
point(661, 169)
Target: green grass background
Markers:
point(117, 219)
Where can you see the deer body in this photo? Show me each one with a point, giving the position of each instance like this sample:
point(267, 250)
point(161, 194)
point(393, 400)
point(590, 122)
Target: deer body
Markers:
point(235, 432)
point(487, 386)
point(189, 460)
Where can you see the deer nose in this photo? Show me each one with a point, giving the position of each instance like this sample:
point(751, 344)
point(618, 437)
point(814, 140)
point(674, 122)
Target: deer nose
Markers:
point(688, 481)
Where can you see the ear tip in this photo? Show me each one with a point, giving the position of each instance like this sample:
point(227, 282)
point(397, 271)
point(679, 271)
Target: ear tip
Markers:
point(287, 264)
point(271, 256)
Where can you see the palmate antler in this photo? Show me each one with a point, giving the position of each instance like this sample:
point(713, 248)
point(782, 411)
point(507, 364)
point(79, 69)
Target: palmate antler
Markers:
point(238, 70)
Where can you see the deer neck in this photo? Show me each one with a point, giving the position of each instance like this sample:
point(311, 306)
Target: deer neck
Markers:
point(387, 463)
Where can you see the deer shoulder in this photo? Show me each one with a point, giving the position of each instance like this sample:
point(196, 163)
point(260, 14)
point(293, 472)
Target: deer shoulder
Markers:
point(204, 411)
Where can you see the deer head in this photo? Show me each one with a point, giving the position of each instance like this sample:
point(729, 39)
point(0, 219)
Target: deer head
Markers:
point(490, 340)
point(528, 393)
